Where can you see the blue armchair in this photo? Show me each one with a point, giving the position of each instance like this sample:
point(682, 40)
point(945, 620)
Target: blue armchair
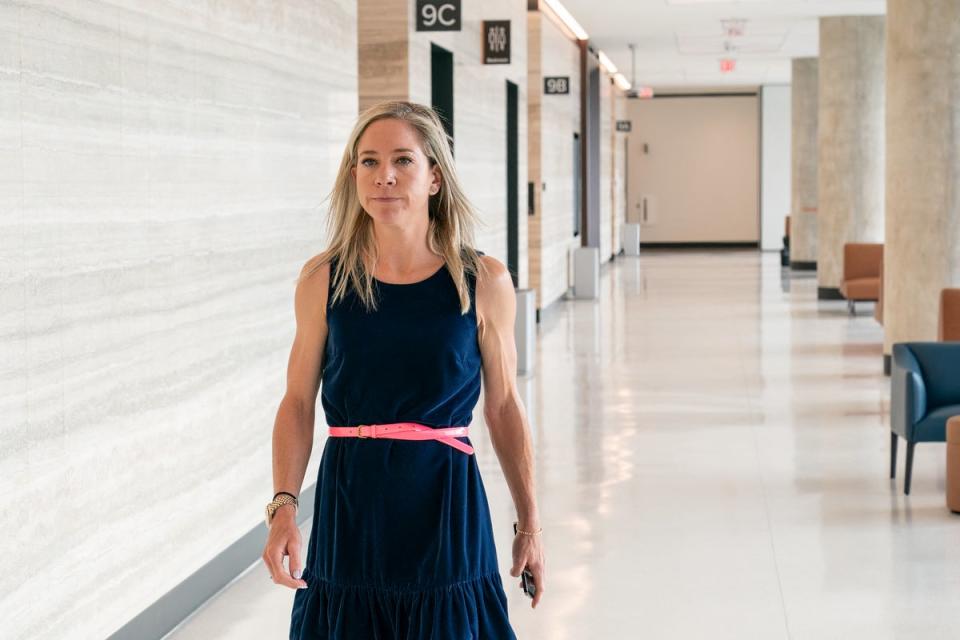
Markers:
point(924, 393)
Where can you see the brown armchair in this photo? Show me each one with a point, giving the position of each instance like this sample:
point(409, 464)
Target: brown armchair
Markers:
point(949, 325)
point(878, 311)
point(861, 272)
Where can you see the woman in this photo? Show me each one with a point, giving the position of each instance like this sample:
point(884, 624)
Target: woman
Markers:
point(402, 318)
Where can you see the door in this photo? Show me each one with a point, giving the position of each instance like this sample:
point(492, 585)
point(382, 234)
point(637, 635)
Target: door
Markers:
point(513, 178)
point(441, 86)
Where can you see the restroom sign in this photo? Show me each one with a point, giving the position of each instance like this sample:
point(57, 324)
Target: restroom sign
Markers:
point(624, 125)
point(496, 42)
point(556, 85)
point(438, 15)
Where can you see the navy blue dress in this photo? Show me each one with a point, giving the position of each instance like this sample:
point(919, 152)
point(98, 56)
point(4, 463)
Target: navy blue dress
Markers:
point(402, 544)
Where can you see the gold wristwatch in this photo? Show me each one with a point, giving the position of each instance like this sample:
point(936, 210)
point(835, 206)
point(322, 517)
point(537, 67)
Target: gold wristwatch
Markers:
point(279, 501)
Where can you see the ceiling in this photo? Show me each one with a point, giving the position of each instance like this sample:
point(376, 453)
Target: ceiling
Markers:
point(679, 43)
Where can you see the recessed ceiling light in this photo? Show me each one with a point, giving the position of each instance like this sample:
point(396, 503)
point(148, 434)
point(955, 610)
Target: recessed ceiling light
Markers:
point(733, 27)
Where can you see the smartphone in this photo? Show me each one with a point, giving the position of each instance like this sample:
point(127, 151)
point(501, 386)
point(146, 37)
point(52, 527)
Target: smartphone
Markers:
point(526, 578)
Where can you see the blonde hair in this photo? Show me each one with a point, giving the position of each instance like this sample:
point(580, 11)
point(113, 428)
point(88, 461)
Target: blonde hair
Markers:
point(350, 229)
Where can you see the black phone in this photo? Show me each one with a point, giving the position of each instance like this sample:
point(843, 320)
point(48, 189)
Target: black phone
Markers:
point(526, 578)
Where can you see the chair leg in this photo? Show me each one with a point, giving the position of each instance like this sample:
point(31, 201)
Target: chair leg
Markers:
point(909, 472)
point(893, 455)
point(851, 307)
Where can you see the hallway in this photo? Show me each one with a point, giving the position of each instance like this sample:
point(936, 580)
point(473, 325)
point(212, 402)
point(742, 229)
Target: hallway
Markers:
point(708, 415)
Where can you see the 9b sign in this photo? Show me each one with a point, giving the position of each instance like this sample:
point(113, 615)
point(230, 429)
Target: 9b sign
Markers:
point(496, 42)
point(556, 84)
point(438, 15)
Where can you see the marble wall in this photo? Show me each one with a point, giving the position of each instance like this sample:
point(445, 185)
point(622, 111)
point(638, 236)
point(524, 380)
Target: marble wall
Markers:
point(162, 170)
point(618, 185)
point(612, 166)
point(479, 113)
point(803, 162)
point(851, 141)
point(922, 223)
point(606, 165)
point(553, 121)
point(383, 50)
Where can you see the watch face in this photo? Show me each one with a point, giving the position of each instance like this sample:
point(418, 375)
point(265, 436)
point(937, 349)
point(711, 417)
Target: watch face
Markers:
point(269, 513)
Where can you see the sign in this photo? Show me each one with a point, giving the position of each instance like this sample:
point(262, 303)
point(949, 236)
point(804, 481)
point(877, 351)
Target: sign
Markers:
point(727, 65)
point(556, 85)
point(624, 125)
point(438, 15)
point(496, 42)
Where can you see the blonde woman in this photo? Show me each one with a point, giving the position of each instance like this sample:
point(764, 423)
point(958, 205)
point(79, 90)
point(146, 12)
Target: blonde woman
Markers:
point(401, 318)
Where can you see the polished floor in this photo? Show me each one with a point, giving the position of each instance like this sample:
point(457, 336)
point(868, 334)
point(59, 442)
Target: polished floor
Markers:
point(712, 459)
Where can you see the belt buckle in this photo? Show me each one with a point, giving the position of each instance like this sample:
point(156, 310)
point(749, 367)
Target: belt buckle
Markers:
point(360, 431)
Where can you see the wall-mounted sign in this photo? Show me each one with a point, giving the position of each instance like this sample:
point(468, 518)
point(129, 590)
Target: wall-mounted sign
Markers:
point(438, 15)
point(496, 42)
point(556, 84)
point(624, 125)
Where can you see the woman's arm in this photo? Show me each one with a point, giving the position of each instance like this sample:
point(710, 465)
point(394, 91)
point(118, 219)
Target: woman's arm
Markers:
point(504, 412)
point(294, 425)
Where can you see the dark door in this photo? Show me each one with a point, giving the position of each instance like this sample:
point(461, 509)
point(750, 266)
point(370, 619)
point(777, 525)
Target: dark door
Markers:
point(513, 186)
point(577, 184)
point(441, 79)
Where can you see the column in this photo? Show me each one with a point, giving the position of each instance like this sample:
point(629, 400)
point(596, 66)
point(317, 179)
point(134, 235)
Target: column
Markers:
point(923, 165)
point(850, 135)
point(803, 171)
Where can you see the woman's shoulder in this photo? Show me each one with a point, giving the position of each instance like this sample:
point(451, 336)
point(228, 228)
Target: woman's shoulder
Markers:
point(493, 277)
point(317, 269)
point(314, 283)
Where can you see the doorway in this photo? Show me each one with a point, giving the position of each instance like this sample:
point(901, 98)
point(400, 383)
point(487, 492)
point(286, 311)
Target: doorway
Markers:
point(513, 186)
point(441, 86)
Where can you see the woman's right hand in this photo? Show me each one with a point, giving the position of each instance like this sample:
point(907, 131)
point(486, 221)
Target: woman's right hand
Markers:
point(284, 540)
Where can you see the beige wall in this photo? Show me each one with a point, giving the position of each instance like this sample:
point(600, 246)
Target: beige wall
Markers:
point(553, 120)
point(701, 172)
point(165, 184)
point(383, 40)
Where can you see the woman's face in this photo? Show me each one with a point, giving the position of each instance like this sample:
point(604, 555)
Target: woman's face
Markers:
point(393, 175)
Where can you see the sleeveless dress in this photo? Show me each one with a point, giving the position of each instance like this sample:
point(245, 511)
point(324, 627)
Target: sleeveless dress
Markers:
point(402, 544)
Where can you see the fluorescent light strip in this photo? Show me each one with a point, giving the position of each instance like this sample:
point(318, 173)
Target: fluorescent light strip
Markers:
point(568, 20)
point(621, 82)
point(607, 63)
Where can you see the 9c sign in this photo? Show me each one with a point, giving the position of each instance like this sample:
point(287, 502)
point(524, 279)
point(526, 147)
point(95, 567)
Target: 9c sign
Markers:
point(438, 15)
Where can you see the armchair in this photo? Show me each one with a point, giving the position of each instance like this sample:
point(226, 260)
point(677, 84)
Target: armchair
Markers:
point(924, 393)
point(949, 324)
point(861, 272)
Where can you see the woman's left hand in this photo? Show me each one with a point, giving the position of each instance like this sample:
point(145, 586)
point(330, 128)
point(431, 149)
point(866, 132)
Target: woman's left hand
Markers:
point(528, 552)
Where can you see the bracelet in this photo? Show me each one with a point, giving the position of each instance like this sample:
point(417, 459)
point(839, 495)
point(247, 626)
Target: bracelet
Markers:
point(286, 494)
point(527, 533)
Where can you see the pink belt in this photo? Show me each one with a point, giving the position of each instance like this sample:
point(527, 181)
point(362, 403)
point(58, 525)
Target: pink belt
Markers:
point(406, 431)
